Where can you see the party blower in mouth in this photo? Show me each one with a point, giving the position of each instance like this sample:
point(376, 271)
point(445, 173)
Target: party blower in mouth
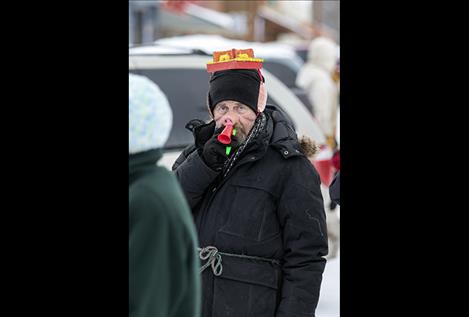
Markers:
point(225, 136)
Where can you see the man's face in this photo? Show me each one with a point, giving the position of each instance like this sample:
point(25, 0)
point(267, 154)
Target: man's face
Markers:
point(239, 114)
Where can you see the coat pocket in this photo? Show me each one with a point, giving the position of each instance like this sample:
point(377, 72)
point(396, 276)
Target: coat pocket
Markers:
point(246, 288)
point(253, 215)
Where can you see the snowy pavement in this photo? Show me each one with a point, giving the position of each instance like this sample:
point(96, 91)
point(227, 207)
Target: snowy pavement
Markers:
point(328, 305)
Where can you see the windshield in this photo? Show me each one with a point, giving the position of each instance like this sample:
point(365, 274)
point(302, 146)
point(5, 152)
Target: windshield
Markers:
point(286, 74)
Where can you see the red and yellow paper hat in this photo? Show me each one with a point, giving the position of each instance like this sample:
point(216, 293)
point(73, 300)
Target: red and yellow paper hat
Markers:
point(234, 59)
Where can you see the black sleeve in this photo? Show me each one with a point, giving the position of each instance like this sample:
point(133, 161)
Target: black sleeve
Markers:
point(194, 177)
point(183, 156)
point(303, 219)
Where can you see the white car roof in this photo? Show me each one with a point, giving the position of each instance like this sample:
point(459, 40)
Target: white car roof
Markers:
point(155, 50)
point(211, 43)
point(207, 44)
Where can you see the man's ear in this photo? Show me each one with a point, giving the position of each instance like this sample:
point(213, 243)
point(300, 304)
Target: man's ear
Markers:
point(262, 99)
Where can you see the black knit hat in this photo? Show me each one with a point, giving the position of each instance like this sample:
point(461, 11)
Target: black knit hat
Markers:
point(240, 85)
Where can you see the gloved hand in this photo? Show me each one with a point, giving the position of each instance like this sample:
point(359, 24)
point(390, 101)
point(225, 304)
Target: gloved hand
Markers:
point(214, 152)
point(202, 133)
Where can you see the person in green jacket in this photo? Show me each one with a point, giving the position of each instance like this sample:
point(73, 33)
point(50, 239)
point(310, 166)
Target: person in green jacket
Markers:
point(163, 265)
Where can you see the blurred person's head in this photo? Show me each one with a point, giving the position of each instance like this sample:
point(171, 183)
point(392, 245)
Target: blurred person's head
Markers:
point(150, 116)
point(237, 96)
point(323, 52)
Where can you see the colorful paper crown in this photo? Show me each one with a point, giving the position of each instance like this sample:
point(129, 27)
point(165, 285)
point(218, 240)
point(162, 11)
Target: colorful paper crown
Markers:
point(234, 59)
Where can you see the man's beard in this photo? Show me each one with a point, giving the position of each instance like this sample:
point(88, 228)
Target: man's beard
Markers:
point(240, 136)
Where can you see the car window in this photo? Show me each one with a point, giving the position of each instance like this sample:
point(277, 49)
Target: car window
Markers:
point(186, 92)
point(286, 75)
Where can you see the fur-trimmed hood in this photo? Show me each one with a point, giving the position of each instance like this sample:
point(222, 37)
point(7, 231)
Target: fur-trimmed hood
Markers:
point(284, 136)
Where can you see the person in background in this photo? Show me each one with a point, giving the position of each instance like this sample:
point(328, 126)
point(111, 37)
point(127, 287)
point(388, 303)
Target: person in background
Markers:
point(334, 189)
point(163, 266)
point(333, 221)
point(317, 78)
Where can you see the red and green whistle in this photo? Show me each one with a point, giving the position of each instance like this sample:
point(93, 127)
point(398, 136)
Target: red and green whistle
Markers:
point(225, 136)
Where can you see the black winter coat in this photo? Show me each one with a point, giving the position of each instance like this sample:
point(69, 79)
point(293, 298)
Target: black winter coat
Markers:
point(268, 206)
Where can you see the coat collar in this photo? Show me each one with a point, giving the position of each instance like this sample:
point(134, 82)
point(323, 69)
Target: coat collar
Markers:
point(142, 161)
point(283, 137)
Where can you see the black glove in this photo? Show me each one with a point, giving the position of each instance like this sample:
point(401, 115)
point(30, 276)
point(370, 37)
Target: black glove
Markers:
point(214, 152)
point(202, 133)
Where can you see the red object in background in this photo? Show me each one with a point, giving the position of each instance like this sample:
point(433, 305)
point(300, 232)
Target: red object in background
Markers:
point(176, 5)
point(325, 170)
point(323, 164)
point(336, 160)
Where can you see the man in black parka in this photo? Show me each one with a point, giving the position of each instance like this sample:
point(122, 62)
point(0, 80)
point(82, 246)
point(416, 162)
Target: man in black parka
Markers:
point(258, 211)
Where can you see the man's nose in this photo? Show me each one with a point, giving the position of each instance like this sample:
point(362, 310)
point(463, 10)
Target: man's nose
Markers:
point(228, 119)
